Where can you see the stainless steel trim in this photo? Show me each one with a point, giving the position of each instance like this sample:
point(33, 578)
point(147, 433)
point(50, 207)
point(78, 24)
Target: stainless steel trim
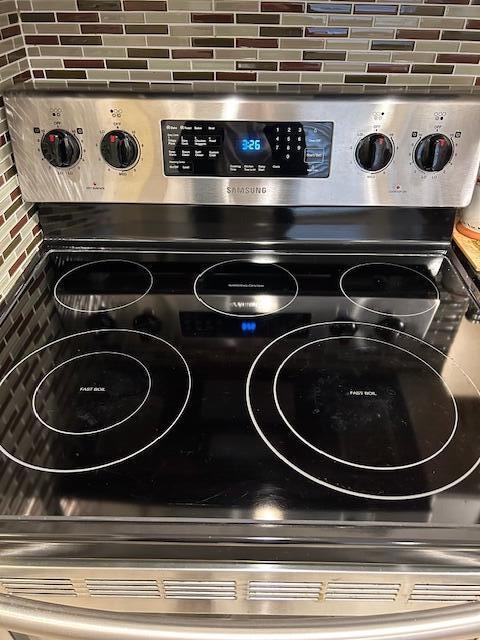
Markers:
point(401, 183)
point(60, 622)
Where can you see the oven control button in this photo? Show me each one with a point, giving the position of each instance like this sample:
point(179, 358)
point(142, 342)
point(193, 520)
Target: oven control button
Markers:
point(60, 148)
point(433, 152)
point(374, 152)
point(119, 149)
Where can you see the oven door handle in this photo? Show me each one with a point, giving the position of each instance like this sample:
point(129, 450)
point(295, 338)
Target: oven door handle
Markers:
point(60, 622)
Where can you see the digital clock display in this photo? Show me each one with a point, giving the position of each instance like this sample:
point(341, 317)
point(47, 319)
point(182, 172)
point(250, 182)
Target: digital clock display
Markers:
point(220, 148)
point(251, 144)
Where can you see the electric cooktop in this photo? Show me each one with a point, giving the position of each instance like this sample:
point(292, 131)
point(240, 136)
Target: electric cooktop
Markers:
point(260, 387)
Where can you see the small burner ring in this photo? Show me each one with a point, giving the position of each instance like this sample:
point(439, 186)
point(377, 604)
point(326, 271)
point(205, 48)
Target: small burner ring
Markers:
point(365, 302)
point(75, 360)
point(259, 289)
point(67, 304)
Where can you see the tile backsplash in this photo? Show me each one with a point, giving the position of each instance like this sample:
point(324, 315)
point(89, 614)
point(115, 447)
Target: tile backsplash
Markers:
point(222, 46)
point(253, 45)
point(20, 233)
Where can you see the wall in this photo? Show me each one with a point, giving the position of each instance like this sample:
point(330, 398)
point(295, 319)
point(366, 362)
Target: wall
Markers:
point(254, 45)
point(19, 231)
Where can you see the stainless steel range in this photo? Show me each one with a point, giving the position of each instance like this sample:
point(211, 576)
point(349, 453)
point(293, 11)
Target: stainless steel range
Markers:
point(239, 390)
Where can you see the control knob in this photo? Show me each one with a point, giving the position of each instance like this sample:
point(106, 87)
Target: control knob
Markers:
point(119, 149)
point(60, 148)
point(374, 152)
point(433, 152)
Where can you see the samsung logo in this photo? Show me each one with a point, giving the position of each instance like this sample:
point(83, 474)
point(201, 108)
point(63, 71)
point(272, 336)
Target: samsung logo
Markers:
point(246, 190)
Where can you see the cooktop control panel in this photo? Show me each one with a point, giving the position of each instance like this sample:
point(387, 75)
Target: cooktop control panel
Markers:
point(203, 148)
point(234, 150)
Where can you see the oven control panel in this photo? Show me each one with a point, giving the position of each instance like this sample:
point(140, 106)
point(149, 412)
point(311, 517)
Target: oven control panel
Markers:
point(279, 149)
point(236, 150)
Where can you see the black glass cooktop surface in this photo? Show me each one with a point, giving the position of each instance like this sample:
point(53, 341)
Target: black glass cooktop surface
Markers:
point(264, 387)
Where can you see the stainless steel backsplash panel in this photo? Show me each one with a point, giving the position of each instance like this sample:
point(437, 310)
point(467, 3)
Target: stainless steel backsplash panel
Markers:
point(78, 224)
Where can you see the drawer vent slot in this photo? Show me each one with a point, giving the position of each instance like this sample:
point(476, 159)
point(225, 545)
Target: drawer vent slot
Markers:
point(284, 590)
point(445, 593)
point(200, 589)
point(362, 591)
point(123, 588)
point(39, 587)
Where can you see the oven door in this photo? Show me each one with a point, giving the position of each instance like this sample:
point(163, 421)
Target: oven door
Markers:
point(33, 620)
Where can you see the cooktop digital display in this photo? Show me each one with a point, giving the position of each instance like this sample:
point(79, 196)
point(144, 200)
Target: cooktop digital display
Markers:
point(223, 149)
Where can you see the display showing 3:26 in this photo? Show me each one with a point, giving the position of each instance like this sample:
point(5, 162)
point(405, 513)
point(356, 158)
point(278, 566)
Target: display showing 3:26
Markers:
point(251, 144)
point(247, 148)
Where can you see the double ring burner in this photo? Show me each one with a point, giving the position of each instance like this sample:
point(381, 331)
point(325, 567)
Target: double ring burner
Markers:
point(369, 415)
point(122, 394)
